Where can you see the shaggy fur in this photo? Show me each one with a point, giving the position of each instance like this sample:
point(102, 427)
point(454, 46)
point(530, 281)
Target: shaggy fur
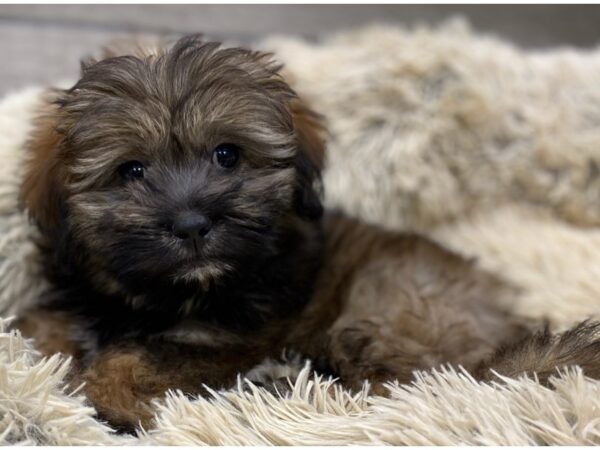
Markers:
point(440, 408)
point(266, 276)
point(477, 236)
point(449, 124)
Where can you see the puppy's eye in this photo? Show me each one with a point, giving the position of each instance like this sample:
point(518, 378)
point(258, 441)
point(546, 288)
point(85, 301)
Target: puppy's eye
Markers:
point(131, 170)
point(226, 155)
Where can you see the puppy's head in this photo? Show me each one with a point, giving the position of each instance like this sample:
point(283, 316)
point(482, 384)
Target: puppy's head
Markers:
point(184, 165)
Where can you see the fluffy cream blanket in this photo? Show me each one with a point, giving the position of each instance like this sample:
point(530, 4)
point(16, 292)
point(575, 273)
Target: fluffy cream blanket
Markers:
point(489, 149)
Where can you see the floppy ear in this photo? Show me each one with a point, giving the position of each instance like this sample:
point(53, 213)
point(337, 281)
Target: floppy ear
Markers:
point(310, 136)
point(44, 179)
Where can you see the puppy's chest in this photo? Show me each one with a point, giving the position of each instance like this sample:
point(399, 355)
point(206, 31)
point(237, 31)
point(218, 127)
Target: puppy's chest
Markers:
point(225, 318)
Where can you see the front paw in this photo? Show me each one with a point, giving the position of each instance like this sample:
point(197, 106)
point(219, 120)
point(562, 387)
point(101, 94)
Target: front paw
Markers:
point(121, 384)
point(277, 376)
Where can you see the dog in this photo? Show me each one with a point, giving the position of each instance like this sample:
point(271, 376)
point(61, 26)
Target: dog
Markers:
point(178, 198)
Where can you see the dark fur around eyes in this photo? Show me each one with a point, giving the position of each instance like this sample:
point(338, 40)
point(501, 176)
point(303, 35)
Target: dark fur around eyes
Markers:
point(169, 110)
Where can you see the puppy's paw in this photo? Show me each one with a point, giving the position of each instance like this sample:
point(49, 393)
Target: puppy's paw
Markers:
point(120, 384)
point(277, 375)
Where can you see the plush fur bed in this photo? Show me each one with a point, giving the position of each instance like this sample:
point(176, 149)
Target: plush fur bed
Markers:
point(489, 149)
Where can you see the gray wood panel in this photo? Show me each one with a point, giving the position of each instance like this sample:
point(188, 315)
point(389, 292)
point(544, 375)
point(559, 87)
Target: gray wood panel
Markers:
point(528, 24)
point(43, 43)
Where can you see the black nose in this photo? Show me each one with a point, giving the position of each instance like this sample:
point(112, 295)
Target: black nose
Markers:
point(191, 225)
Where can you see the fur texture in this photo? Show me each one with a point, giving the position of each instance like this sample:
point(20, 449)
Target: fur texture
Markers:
point(439, 125)
point(169, 112)
point(144, 147)
point(112, 239)
point(444, 407)
point(478, 236)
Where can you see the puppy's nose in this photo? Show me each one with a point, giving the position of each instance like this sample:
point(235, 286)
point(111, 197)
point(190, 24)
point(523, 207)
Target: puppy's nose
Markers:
point(191, 225)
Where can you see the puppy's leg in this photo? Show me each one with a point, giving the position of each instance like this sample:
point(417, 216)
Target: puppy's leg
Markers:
point(122, 380)
point(543, 353)
point(418, 309)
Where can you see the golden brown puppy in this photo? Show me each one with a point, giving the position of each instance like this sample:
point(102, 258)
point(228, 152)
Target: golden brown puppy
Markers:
point(178, 199)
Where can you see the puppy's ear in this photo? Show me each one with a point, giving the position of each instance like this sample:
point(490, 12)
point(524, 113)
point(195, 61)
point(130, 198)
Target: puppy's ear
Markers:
point(44, 180)
point(310, 136)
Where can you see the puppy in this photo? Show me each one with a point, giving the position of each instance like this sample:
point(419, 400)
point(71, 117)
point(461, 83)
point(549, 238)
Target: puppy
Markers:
point(178, 200)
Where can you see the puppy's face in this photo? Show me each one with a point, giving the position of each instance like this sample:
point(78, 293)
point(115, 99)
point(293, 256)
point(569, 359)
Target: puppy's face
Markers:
point(181, 166)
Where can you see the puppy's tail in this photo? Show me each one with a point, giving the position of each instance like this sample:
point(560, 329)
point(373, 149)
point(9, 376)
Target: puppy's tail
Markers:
point(543, 353)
